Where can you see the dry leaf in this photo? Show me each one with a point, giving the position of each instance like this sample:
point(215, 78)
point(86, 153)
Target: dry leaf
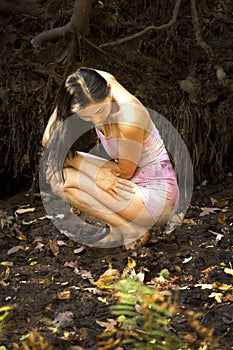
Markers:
point(229, 297)
point(54, 247)
point(186, 260)
point(219, 203)
point(24, 210)
point(79, 250)
point(131, 263)
point(207, 211)
point(217, 296)
point(222, 219)
point(225, 287)
point(66, 294)
point(109, 277)
point(86, 275)
point(7, 263)
point(21, 237)
point(103, 300)
point(15, 249)
point(188, 337)
point(209, 269)
point(228, 271)
point(108, 325)
point(64, 319)
point(189, 222)
point(4, 277)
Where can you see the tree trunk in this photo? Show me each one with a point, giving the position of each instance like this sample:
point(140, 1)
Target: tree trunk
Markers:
point(80, 19)
point(79, 22)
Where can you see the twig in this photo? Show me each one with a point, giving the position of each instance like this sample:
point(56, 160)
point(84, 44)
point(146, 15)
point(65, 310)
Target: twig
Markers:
point(102, 51)
point(147, 29)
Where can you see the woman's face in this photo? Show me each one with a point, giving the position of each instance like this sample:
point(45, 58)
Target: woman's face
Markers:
point(97, 112)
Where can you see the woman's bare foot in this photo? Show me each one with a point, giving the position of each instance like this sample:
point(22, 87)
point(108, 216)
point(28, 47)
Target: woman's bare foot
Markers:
point(113, 239)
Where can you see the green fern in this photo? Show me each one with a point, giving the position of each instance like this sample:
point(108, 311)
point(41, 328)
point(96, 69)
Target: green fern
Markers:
point(143, 320)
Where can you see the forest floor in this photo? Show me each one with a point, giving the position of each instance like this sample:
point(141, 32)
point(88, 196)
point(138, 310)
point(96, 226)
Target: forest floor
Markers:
point(49, 279)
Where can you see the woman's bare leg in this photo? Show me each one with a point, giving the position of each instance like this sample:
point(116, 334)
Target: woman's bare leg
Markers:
point(85, 202)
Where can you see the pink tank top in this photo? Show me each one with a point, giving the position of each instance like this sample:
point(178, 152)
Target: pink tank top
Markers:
point(153, 150)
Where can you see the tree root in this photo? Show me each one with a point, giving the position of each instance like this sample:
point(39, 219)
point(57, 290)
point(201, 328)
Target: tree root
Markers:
point(147, 29)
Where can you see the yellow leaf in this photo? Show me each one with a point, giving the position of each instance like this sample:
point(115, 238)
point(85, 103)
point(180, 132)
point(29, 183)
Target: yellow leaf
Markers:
point(225, 286)
point(103, 300)
point(228, 271)
point(24, 210)
point(121, 319)
point(217, 296)
point(6, 263)
point(109, 277)
point(229, 297)
point(21, 237)
point(131, 263)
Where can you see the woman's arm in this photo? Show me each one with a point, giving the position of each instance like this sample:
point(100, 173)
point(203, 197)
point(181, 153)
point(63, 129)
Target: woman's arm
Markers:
point(105, 175)
point(134, 127)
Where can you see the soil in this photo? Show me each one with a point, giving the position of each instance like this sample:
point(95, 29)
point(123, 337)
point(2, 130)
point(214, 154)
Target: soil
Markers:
point(36, 271)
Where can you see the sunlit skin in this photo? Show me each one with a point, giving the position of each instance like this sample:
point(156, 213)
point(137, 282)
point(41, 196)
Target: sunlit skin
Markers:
point(102, 188)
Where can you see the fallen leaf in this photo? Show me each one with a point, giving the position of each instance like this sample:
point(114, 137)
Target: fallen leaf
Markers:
point(217, 296)
point(188, 337)
point(219, 203)
point(204, 286)
point(228, 271)
point(24, 210)
point(209, 269)
point(207, 211)
point(15, 249)
point(4, 277)
point(64, 319)
point(66, 294)
point(79, 250)
point(186, 260)
point(131, 263)
point(189, 222)
point(21, 237)
point(72, 264)
point(222, 219)
point(225, 287)
point(108, 325)
point(54, 247)
point(86, 275)
point(109, 277)
point(7, 263)
point(103, 300)
point(229, 297)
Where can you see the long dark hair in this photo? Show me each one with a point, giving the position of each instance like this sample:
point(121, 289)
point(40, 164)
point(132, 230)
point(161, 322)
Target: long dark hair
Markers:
point(76, 92)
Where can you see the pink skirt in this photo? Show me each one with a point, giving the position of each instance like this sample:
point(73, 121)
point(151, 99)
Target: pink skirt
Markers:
point(158, 186)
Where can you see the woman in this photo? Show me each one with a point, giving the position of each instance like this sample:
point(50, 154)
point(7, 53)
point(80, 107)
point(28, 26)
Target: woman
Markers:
point(135, 191)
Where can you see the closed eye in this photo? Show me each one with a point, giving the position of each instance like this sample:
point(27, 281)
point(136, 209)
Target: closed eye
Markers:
point(99, 110)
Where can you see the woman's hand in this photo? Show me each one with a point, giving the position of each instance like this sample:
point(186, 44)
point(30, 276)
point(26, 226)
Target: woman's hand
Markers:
point(109, 181)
